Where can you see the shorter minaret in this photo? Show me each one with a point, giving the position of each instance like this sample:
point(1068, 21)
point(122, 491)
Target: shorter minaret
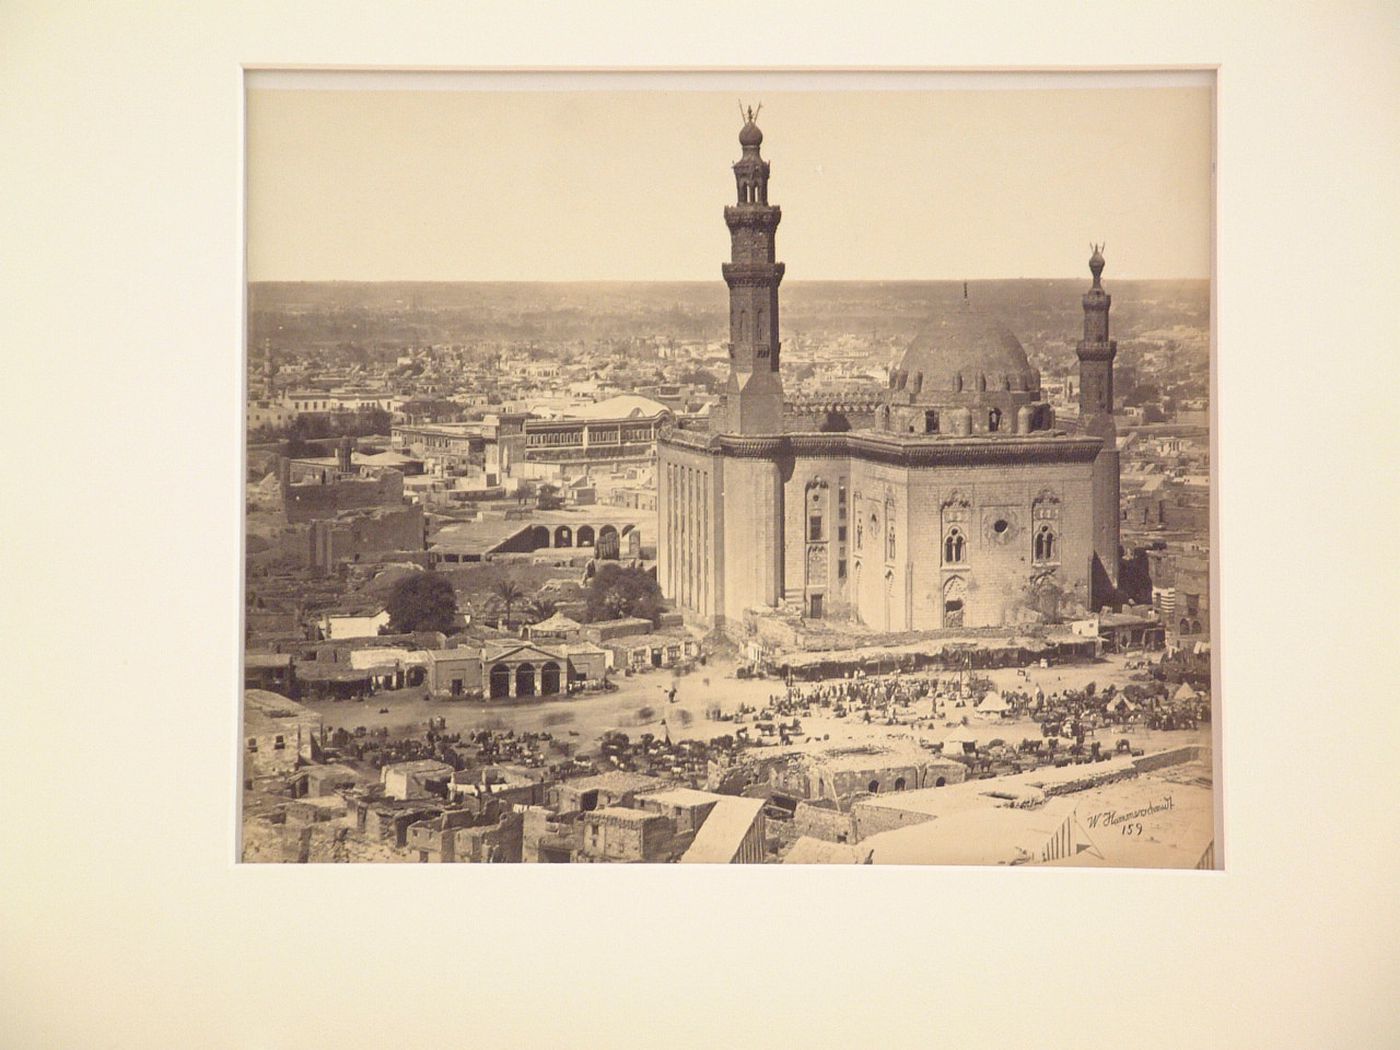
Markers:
point(1096, 352)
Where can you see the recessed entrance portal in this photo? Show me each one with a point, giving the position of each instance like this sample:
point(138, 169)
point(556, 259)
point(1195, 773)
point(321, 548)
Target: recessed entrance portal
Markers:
point(608, 544)
point(954, 595)
point(500, 681)
point(549, 678)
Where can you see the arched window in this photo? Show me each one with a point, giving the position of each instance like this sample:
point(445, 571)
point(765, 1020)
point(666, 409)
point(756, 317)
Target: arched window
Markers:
point(954, 547)
point(889, 529)
point(993, 421)
point(1045, 544)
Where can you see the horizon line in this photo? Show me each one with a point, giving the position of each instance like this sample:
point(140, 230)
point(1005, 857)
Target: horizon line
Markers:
point(693, 280)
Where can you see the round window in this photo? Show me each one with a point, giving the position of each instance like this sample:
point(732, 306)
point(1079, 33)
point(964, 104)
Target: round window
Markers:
point(1000, 526)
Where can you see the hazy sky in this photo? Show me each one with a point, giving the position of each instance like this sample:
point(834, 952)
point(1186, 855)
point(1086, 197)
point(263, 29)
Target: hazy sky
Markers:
point(629, 185)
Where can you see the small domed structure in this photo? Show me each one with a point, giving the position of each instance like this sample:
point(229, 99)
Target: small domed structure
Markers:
point(749, 135)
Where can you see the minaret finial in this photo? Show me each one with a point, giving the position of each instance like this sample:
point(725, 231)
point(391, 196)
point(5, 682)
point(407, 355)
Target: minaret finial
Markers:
point(1096, 262)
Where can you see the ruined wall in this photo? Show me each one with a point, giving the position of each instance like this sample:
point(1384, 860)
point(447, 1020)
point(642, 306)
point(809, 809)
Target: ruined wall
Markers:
point(328, 543)
point(312, 501)
point(499, 843)
point(610, 838)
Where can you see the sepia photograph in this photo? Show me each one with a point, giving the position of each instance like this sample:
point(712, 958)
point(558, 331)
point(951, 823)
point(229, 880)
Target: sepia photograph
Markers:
point(640, 473)
point(922, 448)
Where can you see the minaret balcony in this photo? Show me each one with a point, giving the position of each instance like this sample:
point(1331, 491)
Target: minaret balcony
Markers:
point(763, 216)
point(752, 275)
point(1096, 351)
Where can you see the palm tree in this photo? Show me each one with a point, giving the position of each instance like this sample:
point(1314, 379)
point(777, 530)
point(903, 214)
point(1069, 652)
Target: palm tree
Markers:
point(508, 594)
point(540, 609)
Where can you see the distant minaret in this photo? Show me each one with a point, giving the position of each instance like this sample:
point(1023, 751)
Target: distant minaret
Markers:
point(1096, 352)
point(753, 397)
point(269, 369)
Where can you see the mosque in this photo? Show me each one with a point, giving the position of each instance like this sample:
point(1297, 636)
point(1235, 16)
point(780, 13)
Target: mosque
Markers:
point(962, 506)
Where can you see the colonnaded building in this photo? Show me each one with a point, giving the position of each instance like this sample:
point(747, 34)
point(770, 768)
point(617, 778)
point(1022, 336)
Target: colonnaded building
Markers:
point(964, 505)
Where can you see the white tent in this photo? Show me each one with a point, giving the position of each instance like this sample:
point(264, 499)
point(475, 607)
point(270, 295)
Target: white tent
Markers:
point(953, 743)
point(1185, 692)
point(993, 703)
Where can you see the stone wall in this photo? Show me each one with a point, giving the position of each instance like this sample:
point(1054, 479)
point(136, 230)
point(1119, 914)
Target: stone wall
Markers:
point(1175, 757)
point(819, 822)
point(871, 819)
point(688, 559)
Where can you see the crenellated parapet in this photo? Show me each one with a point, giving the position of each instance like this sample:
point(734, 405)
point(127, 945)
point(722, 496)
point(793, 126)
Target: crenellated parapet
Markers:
point(896, 450)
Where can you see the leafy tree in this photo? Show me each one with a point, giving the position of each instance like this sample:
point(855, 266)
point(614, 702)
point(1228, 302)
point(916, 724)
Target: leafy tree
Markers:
point(615, 592)
point(548, 497)
point(508, 594)
point(702, 378)
point(424, 601)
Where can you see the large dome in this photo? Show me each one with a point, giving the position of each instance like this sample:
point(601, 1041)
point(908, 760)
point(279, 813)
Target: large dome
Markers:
point(962, 350)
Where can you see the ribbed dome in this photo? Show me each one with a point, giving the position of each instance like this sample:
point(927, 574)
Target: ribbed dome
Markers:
point(959, 346)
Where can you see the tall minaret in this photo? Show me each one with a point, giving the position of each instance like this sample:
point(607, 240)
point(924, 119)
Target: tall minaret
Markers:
point(1096, 352)
point(753, 397)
